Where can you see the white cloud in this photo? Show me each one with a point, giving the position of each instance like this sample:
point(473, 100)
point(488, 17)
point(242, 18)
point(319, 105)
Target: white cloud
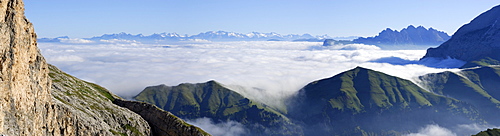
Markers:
point(433, 130)
point(75, 41)
point(263, 70)
point(230, 128)
point(460, 129)
point(471, 129)
point(346, 47)
point(123, 41)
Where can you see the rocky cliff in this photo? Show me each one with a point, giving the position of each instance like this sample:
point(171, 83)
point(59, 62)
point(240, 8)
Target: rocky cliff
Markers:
point(407, 36)
point(164, 123)
point(39, 99)
point(24, 82)
point(83, 108)
point(476, 41)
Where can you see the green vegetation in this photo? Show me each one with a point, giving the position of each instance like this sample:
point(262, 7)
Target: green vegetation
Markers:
point(481, 62)
point(117, 133)
point(89, 98)
point(349, 103)
point(361, 97)
point(477, 86)
point(212, 100)
point(489, 132)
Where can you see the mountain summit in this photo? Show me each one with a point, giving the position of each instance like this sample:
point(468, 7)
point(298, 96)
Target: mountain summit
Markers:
point(408, 36)
point(477, 42)
point(351, 102)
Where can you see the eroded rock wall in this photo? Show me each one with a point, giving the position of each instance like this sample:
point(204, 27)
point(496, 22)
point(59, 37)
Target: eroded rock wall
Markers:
point(24, 82)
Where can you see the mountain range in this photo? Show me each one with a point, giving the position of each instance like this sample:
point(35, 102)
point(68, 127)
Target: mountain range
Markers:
point(207, 36)
point(419, 36)
point(349, 103)
point(37, 98)
point(361, 101)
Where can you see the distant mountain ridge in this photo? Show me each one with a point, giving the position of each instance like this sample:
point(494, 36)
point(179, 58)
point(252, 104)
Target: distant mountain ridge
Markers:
point(408, 36)
point(209, 36)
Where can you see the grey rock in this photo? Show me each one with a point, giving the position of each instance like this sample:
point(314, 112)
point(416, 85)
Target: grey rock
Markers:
point(39, 99)
point(407, 36)
point(473, 41)
point(162, 122)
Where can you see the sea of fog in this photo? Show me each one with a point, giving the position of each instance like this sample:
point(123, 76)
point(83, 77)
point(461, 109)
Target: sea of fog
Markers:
point(263, 70)
point(267, 71)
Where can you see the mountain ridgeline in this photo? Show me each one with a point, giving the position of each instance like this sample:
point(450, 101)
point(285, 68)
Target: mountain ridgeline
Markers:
point(415, 36)
point(362, 101)
point(477, 42)
point(408, 38)
point(477, 86)
point(350, 103)
point(213, 100)
point(206, 36)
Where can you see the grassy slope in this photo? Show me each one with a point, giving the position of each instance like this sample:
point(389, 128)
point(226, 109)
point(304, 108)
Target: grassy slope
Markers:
point(212, 100)
point(95, 102)
point(489, 132)
point(481, 62)
point(478, 86)
point(361, 97)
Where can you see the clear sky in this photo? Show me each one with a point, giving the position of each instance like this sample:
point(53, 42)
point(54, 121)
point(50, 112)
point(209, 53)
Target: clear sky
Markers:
point(87, 18)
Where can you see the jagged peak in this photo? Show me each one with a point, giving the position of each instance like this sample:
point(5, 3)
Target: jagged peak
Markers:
point(410, 27)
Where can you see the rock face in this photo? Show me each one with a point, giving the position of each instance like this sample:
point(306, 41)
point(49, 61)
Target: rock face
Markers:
point(24, 80)
point(408, 36)
point(83, 108)
point(163, 123)
point(38, 99)
point(474, 41)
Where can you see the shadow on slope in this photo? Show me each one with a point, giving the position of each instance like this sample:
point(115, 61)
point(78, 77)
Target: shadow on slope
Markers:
point(429, 62)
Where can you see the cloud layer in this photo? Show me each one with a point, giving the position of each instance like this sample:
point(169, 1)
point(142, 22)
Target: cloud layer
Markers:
point(264, 70)
point(433, 130)
point(230, 128)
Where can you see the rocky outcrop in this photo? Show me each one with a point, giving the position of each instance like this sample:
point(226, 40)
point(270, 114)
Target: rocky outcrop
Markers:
point(83, 108)
point(407, 36)
point(163, 123)
point(475, 41)
point(39, 99)
point(24, 82)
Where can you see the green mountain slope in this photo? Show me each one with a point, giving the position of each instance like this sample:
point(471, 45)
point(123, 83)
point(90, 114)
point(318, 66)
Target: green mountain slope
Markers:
point(212, 100)
point(489, 132)
point(477, 86)
point(366, 102)
point(85, 108)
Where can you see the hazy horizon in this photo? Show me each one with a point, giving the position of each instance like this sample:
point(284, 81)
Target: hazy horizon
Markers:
point(80, 19)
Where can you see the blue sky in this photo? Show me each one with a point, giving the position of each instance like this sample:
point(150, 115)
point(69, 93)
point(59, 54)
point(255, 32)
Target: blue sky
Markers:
point(87, 18)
